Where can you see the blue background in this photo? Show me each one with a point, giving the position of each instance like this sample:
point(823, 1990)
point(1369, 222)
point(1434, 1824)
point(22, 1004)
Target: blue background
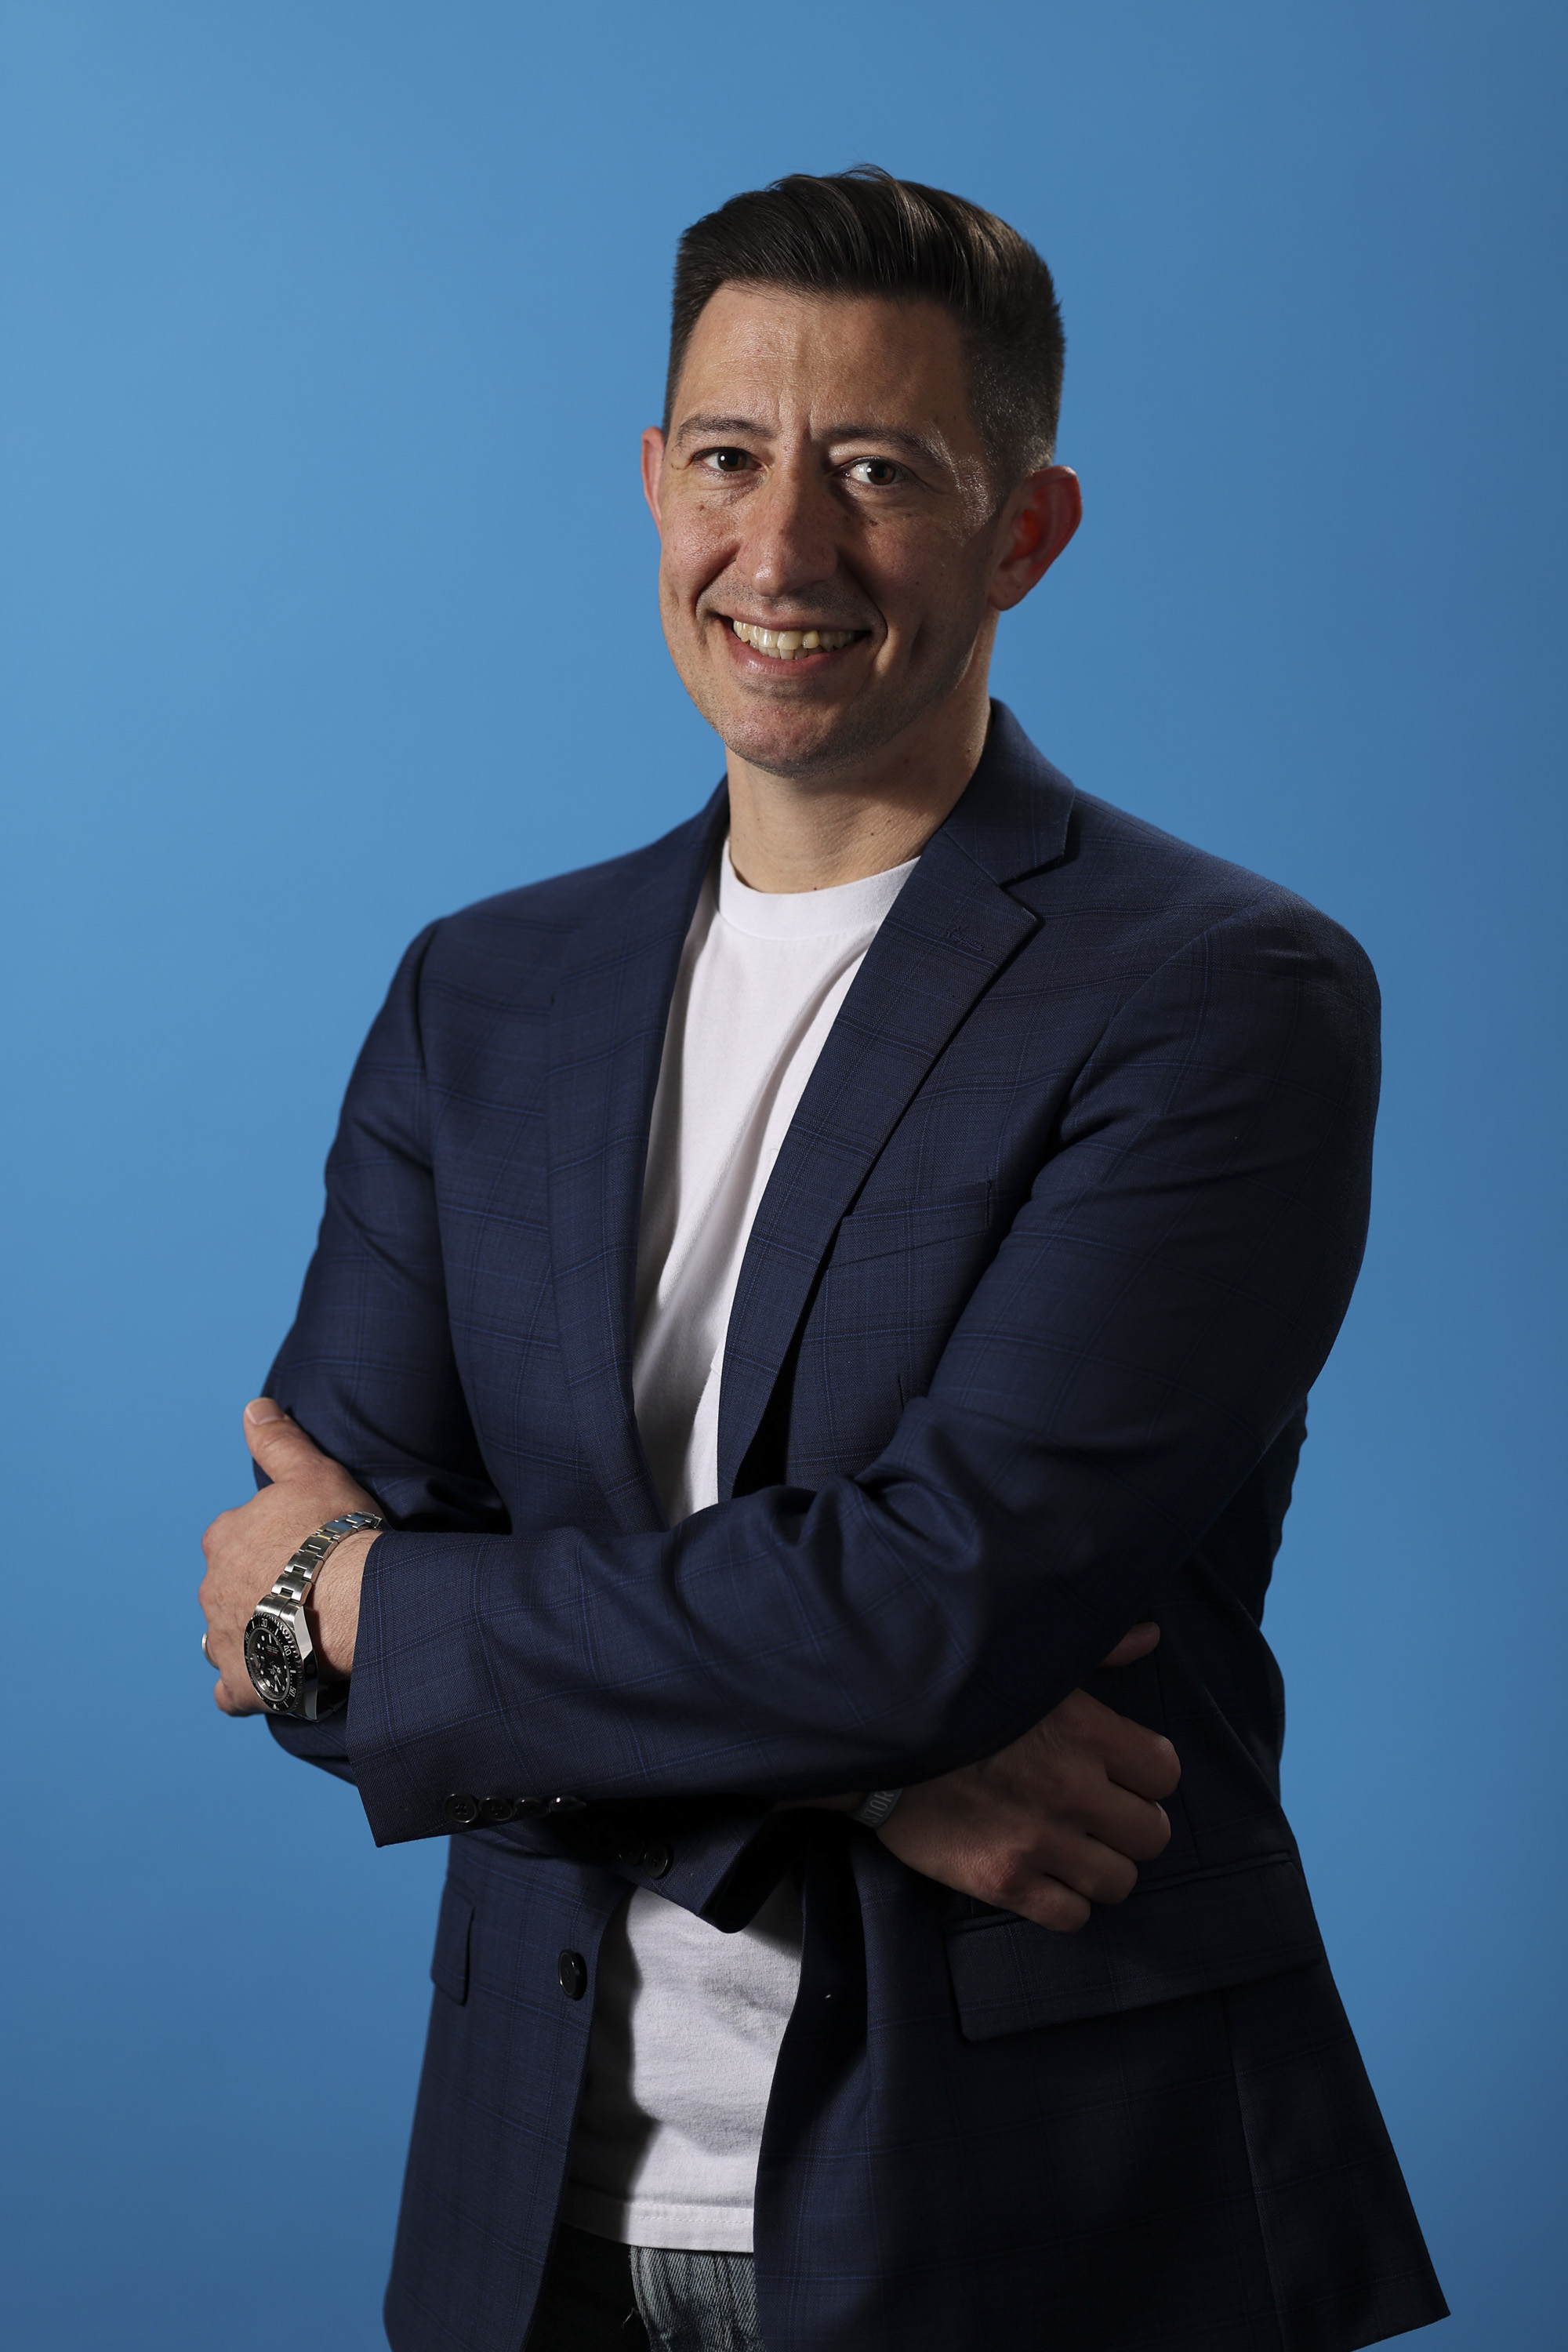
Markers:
point(329, 605)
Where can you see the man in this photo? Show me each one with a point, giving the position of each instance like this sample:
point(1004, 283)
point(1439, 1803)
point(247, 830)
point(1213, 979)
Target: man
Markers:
point(824, 1308)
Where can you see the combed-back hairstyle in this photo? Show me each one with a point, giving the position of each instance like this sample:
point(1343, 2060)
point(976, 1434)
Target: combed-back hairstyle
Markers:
point(863, 232)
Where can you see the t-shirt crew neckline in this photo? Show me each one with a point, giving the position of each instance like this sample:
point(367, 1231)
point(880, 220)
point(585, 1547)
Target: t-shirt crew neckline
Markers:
point(846, 908)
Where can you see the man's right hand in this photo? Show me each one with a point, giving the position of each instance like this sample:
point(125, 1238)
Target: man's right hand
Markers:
point(1056, 1823)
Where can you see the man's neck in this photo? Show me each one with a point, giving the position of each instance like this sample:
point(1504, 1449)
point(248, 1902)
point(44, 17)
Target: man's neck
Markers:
point(789, 833)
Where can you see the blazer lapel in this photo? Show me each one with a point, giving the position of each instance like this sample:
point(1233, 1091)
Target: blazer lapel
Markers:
point(608, 1024)
point(949, 933)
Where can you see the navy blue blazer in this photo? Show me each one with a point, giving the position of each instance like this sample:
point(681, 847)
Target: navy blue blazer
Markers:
point(1058, 1242)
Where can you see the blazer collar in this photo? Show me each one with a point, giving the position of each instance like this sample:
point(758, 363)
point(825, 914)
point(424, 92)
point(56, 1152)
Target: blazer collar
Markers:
point(951, 929)
point(1013, 815)
point(607, 1023)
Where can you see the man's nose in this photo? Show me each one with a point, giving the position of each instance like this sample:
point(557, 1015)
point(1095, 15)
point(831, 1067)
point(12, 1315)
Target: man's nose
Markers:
point(792, 538)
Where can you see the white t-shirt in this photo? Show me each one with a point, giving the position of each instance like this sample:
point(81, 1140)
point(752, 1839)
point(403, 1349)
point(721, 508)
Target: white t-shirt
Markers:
point(687, 2021)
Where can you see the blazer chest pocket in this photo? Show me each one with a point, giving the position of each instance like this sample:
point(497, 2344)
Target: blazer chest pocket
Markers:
point(914, 1224)
point(453, 1932)
point(1170, 1938)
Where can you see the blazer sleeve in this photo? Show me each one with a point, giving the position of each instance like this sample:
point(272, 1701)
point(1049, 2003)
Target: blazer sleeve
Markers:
point(1157, 1311)
point(367, 1368)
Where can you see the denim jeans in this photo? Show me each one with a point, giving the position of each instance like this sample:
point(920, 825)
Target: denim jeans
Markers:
point(601, 2297)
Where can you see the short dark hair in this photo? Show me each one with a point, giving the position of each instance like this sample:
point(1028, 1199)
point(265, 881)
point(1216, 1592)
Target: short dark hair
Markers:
point(863, 232)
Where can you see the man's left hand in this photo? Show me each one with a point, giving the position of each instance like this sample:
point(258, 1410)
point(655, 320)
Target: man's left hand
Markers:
point(245, 1549)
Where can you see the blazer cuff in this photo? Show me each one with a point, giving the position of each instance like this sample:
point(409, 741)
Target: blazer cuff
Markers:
point(324, 1744)
point(718, 1857)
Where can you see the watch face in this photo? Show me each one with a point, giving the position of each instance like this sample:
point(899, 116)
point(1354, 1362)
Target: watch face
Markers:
point(272, 1656)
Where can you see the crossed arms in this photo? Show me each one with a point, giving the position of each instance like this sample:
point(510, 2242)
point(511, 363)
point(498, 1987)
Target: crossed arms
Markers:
point(1058, 1820)
point(1158, 1307)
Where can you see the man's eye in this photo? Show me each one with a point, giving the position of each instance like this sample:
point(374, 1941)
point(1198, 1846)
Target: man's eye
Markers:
point(729, 461)
point(877, 473)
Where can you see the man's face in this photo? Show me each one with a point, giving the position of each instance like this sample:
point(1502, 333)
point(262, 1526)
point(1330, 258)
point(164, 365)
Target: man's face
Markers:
point(824, 480)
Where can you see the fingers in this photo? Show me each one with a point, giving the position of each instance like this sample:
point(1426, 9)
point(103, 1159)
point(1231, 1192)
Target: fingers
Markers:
point(1142, 1762)
point(1051, 1905)
point(1056, 1823)
point(1082, 1731)
point(279, 1444)
point(1042, 1861)
point(222, 1647)
point(245, 1549)
point(1130, 1825)
point(1094, 1865)
point(234, 1702)
point(1134, 1644)
point(230, 1696)
point(1052, 1869)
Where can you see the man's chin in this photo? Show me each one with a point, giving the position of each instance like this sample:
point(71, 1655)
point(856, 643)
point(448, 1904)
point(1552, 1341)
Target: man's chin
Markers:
point(798, 744)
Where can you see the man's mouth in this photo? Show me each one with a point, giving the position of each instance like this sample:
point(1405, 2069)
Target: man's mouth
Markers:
point(789, 645)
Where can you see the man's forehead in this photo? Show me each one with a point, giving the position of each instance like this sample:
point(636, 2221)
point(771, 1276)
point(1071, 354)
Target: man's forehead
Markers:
point(858, 361)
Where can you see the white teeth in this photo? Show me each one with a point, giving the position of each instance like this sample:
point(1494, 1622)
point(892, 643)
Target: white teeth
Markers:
point(784, 645)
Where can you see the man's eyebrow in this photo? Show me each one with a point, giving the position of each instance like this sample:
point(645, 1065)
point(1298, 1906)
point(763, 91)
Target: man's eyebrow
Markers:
point(706, 427)
point(914, 443)
point(690, 428)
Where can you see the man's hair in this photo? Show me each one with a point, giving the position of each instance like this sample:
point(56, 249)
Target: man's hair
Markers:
point(863, 232)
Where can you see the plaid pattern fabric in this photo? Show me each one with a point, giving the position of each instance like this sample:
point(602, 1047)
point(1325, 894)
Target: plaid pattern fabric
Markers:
point(1058, 1240)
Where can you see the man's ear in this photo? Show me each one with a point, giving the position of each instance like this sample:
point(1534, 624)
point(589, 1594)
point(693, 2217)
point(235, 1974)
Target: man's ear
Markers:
point(652, 469)
point(1036, 523)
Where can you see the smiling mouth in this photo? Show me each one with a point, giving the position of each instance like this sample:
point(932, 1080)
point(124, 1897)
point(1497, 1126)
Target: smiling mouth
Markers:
point(789, 645)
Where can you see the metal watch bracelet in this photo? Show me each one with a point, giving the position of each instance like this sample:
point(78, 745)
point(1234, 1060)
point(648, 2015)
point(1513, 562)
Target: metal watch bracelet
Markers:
point(279, 1655)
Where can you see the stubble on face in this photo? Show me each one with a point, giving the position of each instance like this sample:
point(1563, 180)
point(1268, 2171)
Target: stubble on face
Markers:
point(824, 475)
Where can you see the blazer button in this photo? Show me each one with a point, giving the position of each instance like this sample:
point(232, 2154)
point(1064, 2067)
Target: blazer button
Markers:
point(462, 1807)
point(496, 1809)
point(656, 1859)
point(573, 1970)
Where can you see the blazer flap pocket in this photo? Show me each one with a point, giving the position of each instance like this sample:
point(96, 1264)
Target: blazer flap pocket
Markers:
point(1168, 1939)
point(449, 1962)
point(912, 1224)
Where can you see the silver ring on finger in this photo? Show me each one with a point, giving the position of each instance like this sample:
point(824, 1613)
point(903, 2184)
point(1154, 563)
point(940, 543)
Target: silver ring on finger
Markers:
point(208, 1655)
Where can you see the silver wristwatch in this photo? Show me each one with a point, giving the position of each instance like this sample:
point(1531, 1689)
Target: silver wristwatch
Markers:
point(279, 1654)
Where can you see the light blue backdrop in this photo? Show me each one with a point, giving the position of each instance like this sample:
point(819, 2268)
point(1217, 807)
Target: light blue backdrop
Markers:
point(329, 325)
